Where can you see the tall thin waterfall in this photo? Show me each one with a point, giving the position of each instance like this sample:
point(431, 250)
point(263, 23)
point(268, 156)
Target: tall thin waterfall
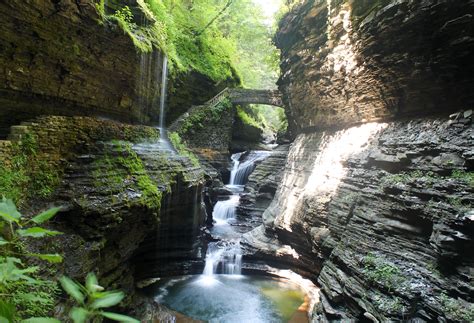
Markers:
point(152, 84)
point(164, 83)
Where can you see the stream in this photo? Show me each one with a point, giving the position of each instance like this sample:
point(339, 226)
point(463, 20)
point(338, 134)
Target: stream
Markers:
point(221, 293)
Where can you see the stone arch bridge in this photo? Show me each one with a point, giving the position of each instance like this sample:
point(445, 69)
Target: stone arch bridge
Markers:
point(248, 96)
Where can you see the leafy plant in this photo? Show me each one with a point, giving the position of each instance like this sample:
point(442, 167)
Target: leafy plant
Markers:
point(91, 299)
point(379, 271)
point(467, 177)
point(23, 293)
point(456, 309)
point(14, 227)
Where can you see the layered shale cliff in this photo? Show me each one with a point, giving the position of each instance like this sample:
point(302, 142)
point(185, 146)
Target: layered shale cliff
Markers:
point(66, 58)
point(345, 62)
point(379, 213)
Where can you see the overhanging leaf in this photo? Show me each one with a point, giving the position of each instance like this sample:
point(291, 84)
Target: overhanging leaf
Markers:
point(92, 284)
point(53, 258)
point(78, 314)
point(8, 211)
point(37, 232)
point(46, 215)
point(72, 288)
point(119, 317)
point(109, 299)
point(7, 312)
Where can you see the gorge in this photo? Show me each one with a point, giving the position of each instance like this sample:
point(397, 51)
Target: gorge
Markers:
point(141, 121)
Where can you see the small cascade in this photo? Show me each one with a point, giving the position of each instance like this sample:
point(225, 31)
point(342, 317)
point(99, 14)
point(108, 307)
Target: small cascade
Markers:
point(225, 210)
point(242, 170)
point(225, 256)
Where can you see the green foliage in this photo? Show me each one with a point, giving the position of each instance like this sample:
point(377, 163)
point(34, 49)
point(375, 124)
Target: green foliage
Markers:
point(456, 310)
point(14, 227)
point(467, 177)
point(100, 6)
point(389, 304)
point(91, 299)
point(216, 39)
point(24, 293)
point(246, 119)
point(27, 174)
point(459, 204)
point(379, 271)
point(197, 119)
point(182, 149)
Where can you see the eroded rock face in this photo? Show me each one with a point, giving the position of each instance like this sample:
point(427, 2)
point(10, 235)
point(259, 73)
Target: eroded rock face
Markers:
point(62, 58)
point(381, 214)
point(262, 185)
point(345, 62)
point(124, 205)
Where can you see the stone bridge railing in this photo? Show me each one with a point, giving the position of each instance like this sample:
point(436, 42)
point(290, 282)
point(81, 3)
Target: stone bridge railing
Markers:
point(248, 96)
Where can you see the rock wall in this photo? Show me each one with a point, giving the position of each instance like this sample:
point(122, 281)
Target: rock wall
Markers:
point(63, 58)
point(381, 216)
point(114, 196)
point(345, 62)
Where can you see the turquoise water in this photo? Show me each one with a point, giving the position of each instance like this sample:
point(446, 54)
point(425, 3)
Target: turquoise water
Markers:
point(231, 298)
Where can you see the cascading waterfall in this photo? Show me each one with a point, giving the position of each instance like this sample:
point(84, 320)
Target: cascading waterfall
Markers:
point(240, 174)
point(222, 293)
point(225, 256)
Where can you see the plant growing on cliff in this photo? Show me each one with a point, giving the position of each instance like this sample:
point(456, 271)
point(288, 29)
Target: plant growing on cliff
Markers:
point(380, 271)
point(182, 148)
point(91, 299)
point(24, 293)
point(456, 309)
point(26, 173)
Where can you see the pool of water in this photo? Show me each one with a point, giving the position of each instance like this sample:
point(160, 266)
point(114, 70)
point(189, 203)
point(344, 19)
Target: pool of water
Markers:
point(232, 298)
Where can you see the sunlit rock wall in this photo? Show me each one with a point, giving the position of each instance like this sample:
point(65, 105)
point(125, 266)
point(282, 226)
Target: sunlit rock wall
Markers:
point(380, 215)
point(345, 62)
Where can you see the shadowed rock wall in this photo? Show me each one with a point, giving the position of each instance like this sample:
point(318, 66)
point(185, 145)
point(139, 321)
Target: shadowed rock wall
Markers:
point(345, 62)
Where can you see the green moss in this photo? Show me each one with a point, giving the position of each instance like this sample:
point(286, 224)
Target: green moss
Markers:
point(456, 310)
point(111, 170)
point(198, 119)
point(182, 148)
point(428, 178)
point(27, 174)
point(467, 177)
point(379, 271)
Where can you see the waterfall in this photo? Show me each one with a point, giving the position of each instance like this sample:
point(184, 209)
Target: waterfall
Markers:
point(153, 69)
point(225, 210)
point(242, 170)
point(225, 256)
point(164, 81)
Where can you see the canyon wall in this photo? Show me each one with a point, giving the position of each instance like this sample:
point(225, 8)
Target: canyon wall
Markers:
point(379, 214)
point(122, 200)
point(64, 58)
point(345, 62)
